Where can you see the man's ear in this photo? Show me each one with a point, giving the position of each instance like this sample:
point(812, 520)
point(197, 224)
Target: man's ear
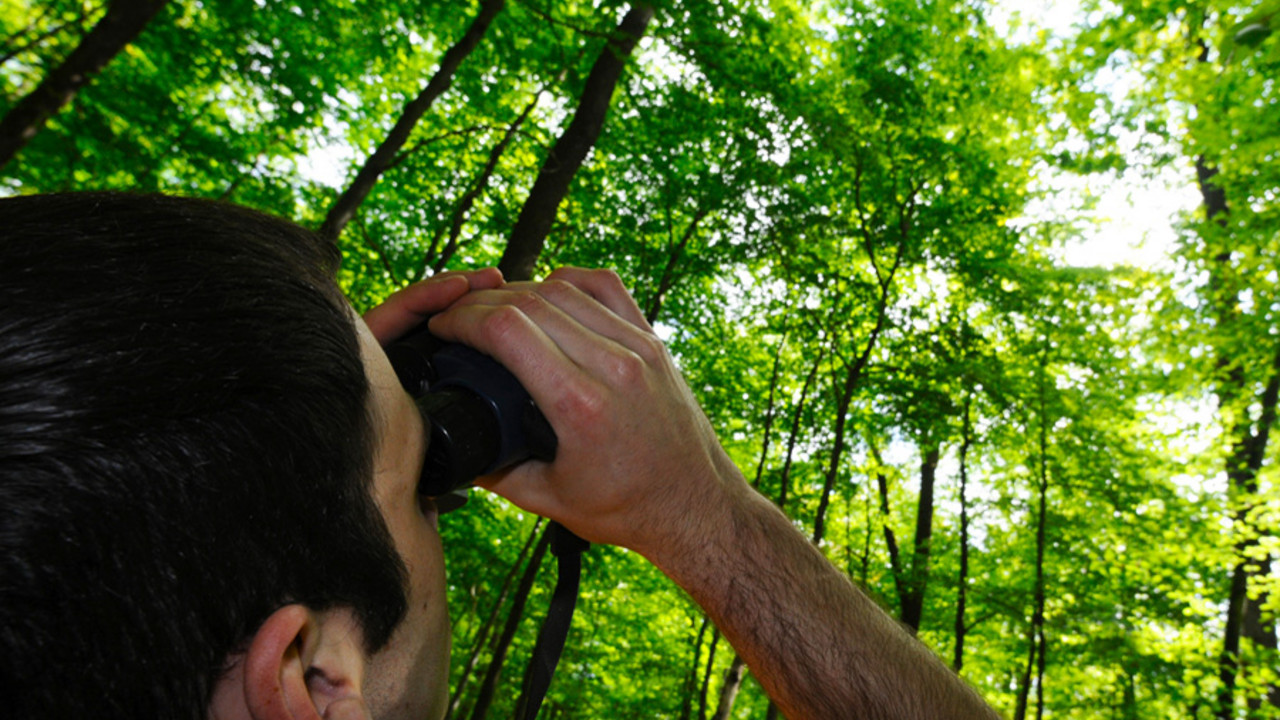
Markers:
point(301, 665)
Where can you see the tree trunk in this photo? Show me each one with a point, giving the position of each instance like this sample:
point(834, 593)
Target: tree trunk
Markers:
point(785, 481)
point(962, 583)
point(539, 212)
point(852, 375)
point(844, 399)
point(484, 697)
point(691, 680)
point(1037, 617)
point(468, 199)
point(1024, 680)
point(729, 690)
point(344, 208)
point(1249, 446)
point(669, 272)
point(769, 411)
point(706, 676)
point(122, 23)
point(891, 542)
point(918, 579)
point(482, 636)
point(16, 48)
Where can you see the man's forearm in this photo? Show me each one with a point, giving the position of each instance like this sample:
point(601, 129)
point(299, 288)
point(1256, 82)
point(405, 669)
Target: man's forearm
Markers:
point(819, 646)
point(639, 465)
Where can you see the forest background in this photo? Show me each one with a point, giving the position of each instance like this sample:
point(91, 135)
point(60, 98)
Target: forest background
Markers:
point(848, 220)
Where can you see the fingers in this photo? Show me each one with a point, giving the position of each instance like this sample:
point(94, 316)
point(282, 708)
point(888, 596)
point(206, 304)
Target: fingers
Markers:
point(573, 318)
point(408, 307)
point(606, 287)
point(550, 368)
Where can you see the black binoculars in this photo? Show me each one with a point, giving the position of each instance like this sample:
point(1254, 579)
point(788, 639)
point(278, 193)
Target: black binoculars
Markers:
point(479, 418)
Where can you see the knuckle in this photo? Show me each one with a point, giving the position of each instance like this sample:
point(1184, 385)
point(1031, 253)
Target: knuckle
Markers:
point(608, 279)
point(651, 348)
point(626, 369)
point(528, 302)
point(501, 323)
point(556, 289)
point(586, 404)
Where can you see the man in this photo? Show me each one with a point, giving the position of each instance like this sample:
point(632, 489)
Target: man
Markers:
point(208, 479)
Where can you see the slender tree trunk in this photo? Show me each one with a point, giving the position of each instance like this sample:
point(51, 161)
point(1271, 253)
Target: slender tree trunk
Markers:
point(1037, 617)
point(918, 580)
point(729, 690)
point(844, 399)
point(1024, 680)
point(962, 583)
point(891, 542)
point(784, 481)
point(539, 212)
point(852, 375)
point(669, 272)
point(468, 199)
point(691, 680)
point(1249, 446)
point(484, 697)
point(16, 49)
point(706, 676)
point(344, 208)
point(482, 635)
point(769, 412)
point(122, 23)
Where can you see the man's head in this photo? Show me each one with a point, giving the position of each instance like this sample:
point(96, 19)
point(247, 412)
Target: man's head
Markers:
point(191, 456)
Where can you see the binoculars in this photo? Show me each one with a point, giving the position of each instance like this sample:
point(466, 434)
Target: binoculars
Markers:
point(479, 418)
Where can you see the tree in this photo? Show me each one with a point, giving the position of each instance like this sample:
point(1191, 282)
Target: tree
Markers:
point(123, 21)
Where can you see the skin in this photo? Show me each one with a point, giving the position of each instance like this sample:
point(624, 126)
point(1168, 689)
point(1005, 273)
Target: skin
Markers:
point(409, 678)
point(638, 465)
point(307, 664)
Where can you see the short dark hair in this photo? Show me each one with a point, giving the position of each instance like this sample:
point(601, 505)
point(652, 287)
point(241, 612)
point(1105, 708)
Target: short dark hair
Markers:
point(186, 445)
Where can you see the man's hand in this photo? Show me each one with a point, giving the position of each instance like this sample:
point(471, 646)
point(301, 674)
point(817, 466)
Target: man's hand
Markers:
point(638, 465)
point(406, 308)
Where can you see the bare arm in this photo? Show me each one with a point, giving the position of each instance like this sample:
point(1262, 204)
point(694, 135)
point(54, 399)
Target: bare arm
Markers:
point(639, 466)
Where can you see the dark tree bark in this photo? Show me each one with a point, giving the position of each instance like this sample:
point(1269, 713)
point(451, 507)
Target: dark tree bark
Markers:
point(1024, 679)
point(853, 374)
point(1249, 446)
point(962, 583)
point(344, 208)
point(484, 697)
point(16, 48)
point(468, 199)
point(529, 234)
point(918, 579)
point(891, 541)
point(784, 482)
point(769, 412)
point(123, 22)
point(669, 276)
point(691, 680)
point(1042, 487)
point(729, 690)
point(482, 636)
point(706, 676)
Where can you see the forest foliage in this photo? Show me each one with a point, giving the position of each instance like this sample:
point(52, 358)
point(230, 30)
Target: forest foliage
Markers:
point(1061, 477)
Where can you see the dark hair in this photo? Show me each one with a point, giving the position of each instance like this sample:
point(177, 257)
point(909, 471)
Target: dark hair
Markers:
point(185, 446)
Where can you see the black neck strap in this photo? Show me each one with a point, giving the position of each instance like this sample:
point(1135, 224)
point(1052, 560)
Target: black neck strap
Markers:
point(568, 549)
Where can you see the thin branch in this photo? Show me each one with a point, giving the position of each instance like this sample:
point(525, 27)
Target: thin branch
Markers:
point(549, 19)
point(377, 248)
